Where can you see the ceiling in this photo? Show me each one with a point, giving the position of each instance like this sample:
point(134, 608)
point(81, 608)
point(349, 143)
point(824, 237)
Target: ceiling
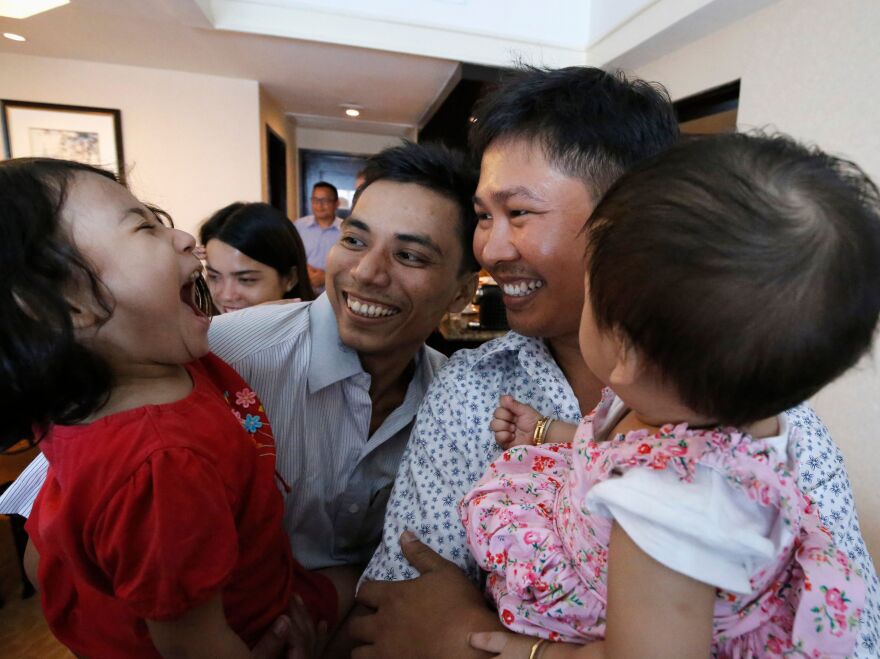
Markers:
point(395, 58)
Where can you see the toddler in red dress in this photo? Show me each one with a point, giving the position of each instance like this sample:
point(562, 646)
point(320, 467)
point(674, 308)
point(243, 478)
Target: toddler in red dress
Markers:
point(159, 526)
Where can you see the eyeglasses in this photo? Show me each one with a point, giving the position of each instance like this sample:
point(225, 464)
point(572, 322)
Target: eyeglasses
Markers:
point(318, 201)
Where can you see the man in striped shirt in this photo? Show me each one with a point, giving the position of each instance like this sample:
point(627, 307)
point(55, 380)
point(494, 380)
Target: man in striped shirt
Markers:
point(343, 376)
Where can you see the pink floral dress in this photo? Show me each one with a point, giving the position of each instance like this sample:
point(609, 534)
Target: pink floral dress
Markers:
point(547, 554)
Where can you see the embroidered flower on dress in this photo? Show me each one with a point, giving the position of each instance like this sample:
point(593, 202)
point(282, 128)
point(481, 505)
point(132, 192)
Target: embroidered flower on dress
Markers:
point(252, 423)
point(245, 398)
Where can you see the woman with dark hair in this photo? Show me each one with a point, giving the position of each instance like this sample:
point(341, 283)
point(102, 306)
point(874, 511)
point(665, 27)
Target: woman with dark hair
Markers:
point(254, 255)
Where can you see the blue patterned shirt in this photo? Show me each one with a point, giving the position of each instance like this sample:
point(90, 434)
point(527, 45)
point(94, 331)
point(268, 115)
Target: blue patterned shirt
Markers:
point(451, 447)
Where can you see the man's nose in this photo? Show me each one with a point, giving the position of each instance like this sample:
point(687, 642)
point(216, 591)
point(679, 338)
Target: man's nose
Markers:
point(497, 244)
point(372, 269)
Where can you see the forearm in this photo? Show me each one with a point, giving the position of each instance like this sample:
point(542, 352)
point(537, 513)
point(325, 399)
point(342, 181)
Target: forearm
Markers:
point(219, 644)
point(573, 651)
point(560, 432)
point(344, 579)
point(201, 633)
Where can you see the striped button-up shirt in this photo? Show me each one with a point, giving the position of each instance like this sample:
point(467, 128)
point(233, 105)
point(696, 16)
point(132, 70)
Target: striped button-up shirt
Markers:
point(317, 398)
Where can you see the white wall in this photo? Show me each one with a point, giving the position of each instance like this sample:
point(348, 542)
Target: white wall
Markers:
point(344, 141)
point(808, 68)
point(191, 141)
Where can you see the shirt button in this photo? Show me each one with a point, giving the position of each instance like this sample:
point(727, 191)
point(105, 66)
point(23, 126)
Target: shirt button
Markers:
point(353, 508)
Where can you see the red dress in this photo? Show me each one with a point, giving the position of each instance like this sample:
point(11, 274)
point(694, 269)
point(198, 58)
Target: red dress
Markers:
point(148, 513)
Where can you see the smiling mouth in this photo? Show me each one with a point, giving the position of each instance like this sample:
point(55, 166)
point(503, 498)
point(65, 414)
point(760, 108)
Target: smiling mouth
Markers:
point(369, 309)
point(522, 288)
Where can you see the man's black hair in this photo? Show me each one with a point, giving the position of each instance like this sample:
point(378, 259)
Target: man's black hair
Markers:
point(435, 167)
point(744, 269)
point(329, 186)
point(591, 124)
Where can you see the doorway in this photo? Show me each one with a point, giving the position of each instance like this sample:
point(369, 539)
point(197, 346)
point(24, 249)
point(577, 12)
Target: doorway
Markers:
point(710, 112)
point(276, 170)
point(339, 169)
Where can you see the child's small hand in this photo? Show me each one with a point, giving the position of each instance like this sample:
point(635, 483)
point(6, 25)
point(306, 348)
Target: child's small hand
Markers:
point(304, 640)
point(505, 645)
point(513, 423)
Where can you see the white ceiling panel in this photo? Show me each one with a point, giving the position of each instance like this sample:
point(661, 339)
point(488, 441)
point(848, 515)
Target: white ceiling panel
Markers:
point(394, 58)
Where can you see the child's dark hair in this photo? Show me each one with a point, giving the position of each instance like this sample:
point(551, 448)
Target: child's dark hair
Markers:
point(745, 269)
point(438, 168)
point(263, 233)
point(591, 124)
point(46, 377)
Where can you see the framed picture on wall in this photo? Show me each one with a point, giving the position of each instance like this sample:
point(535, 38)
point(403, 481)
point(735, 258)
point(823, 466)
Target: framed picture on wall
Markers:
point(88, 135)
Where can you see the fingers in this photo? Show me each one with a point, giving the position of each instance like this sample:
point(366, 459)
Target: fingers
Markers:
point(504, 432)
point(420, 555)
point(489, 641)
point(303, 639)
point(371, 593)
point(363, 628)
point(273, 641)
point(518, 409)
point(364, 652)
point(503, 414)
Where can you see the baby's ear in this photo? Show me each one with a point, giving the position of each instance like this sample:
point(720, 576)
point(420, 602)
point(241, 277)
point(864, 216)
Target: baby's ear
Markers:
point(628, 365)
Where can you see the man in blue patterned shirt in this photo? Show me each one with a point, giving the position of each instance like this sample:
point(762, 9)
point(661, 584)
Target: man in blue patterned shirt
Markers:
point(551, 142)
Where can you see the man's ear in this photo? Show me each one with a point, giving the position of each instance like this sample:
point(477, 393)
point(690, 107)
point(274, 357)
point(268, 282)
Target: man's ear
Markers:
point(467, 287)
point(628, 364)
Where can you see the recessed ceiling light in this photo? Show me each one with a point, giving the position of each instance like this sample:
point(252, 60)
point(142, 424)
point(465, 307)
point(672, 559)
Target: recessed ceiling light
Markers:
point(27, 8)
point(352, 109)
point(14, 37)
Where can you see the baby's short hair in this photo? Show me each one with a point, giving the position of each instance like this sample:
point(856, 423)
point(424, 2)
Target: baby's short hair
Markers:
point(744, 269)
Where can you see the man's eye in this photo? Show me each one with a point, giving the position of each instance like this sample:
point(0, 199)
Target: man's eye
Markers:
point(483, 216)
point(410, 257)
point(351, 241)
point(519, 212)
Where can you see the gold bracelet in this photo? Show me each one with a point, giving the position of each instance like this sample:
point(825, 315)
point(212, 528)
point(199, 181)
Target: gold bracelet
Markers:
point(546, 429)
point(538, 435)
point(536, 648)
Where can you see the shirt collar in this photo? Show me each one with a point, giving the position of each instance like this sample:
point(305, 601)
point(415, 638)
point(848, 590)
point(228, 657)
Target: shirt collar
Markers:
point(312, 222)
point(533, 356)
point(330, 360)
point(513, 342)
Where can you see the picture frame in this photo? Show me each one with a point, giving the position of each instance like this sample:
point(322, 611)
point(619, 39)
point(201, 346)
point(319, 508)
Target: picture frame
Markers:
point(72, 132)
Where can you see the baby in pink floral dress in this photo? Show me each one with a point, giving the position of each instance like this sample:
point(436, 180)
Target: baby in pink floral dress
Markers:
point(728, 280)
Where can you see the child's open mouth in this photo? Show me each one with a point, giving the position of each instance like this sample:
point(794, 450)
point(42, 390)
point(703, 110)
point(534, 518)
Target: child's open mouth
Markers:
point(197, 296)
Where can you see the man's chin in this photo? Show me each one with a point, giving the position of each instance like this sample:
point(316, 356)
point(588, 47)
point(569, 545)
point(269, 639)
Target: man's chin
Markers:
point(534, 325)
